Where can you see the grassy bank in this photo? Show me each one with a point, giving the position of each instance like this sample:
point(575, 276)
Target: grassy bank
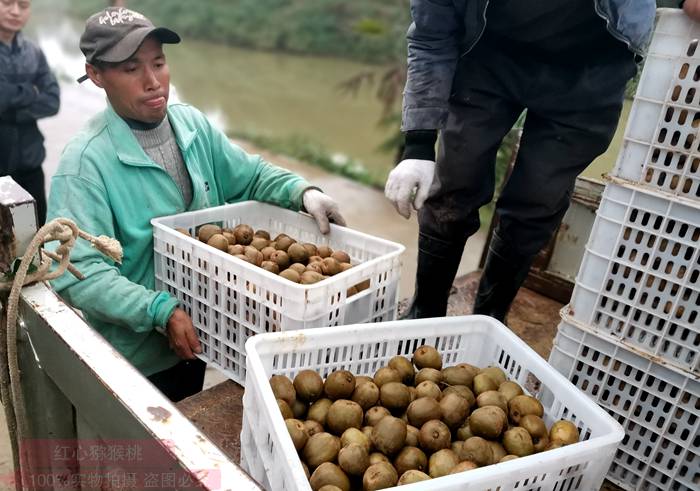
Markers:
point(364, 30)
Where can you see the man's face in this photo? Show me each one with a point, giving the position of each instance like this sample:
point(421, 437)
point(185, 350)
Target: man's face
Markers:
point(137, 88)
point(14, 14)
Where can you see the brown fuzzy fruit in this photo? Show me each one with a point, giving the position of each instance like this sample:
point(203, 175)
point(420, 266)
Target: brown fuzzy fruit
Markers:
point(243, 233)
point(283, 243)
point(297, 432)
point(283, 388)
point(298, 253)
point(462, 391)
point(236, 250)
point(379, 476)
point(427, 357)
point(310, 277)
point(423, 410)
point(308, 385)
point(395, 396)
point(389, 435)
point(412, 476)
point(218, 241)
point(316, 267)
point(254, 255)
point(320, 448)
point(410, 458)
point(311, 249)
point(183, 231)
point(365, 394)
point(340, 384)
point(341, 256)
point(457, 376)
point(259, 243)
point(267, 252)
point(284, 408)
point(442, 462)
point(564, 432)
point(519, 406)
point(455, 410)
point(291, 275)
point(312, 427)
point(434, 436)
point(428, 389)
point(353, 435)
point(330, 266)
point(281, 258)
point(353, 459)
point(270, 266)
point(405, 368)
point(329, 474)
point(206, 231)
point(510, 389)
point(517, 441)
point(488, 422)
point(319, 411)
point(262, 233)
point(465, 465)
point(344, 414)
point(375, 414)
point(476, 450)
point(385, 375)
point(430, 374)
point(324, 251)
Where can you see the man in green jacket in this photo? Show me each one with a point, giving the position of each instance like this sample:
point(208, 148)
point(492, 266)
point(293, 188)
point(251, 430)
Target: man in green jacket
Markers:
point(139, 159)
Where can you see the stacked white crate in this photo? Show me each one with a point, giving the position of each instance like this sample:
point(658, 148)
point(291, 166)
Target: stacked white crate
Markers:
point(631, 335)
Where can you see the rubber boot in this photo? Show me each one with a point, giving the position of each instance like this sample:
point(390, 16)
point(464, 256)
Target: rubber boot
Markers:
point(501, 279)
point(437, 266)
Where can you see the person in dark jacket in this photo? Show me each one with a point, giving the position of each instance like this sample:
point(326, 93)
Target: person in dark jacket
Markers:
point(474, 66)
point(28, 92)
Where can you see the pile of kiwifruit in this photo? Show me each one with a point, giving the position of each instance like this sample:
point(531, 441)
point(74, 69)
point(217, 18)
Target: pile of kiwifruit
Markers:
point(304, 263)
point(404, 426)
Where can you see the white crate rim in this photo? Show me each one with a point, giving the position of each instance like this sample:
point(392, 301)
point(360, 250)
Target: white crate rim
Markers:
point(614, 436)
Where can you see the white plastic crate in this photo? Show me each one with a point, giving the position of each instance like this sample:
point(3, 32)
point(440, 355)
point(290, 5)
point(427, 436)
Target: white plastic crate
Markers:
point(267, 452)
point(231, 300)
point(659, 408)
point(660, 146)
point(639, 279)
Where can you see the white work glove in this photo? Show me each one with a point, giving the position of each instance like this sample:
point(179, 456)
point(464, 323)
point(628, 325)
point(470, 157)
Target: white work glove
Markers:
point(323, 208)
point(411, 175)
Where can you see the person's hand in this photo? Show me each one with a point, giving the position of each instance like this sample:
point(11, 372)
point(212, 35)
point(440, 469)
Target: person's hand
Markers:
point(323, 208)
point(410, 176)
point(182, 336)
point(692, 9)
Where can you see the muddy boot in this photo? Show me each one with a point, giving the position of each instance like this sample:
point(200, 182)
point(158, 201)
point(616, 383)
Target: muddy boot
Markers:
point(501, 279)
point(437, 266)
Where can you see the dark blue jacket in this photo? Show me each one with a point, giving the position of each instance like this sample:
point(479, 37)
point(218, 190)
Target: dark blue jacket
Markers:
point(28, 91)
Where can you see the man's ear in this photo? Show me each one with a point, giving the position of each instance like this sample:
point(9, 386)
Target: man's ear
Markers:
point(94, 74)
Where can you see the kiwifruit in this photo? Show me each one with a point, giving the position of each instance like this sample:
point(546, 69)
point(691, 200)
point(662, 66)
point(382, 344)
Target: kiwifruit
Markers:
point(510, 389)
point(259, 243)
point(218, 241)
point(320, 448)
point(428, 388)
point(456, 445)
point(394, 396)
point(410, 458)
point(540, 444)
point(283, 243)
point(377, 457)
point(340, 384)
point(412, 434)
point(353, 459)
point(374, 414)
point(552, 445)
point(297, 253)
point(498, 375)
point(423, 410)
point(353, 435)
point(389, 435)
point(319, 410)
point(464, 432)
point(316, 267)
point(308, 385)
point(363, 285)
point(345, 266)
point(343, 414)
point(243, 233)
point(284, 408)
point(299, 409)
point(367, 431)
point(291, 275)
point(379, 476)
point(413, 392)
point(477, 450)
point(330, 266)
point(457, 376)
point(270, 266)
point(183, 231)
point(311, 249)
point(297, 432)
point(427, 357)
point(517, 441)
point(564, 432)
point(429, 374)
point(405, 368)
point(482, 383)
point(324, 251)
point(235, 250)
point(262, 233)
point(298, 267)
point(497, 450)
point(306, 470)
point(267, 253)
point(341, 256)
point(465, 465)
point(412, 476)
point(434, 436)
point(455, 410)
point(385, 375)
point(315, 259)
point(229, 236)
point(279, 236)
point(281, 258)
point(442, 462)
point(313, 427)
point(507, 458)
point(329, 474)
point(361, 379)
point(492, 398)
point(534, 425)
point(310, 277)
point(254, 255)
point(366, 394)
point(488, 422)
point(462, 391)
point(519, 406)
point(206, 231)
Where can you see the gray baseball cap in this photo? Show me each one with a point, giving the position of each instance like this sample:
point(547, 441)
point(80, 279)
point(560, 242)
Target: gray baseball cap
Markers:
point(116, 33)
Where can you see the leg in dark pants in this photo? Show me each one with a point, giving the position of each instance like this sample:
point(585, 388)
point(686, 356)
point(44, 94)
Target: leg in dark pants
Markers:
point(181, 381)
point(33, 182)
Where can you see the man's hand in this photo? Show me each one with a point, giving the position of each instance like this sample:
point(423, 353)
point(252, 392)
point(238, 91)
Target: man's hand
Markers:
point(409, 176)
point(182, 336)
point(322, 208)
point(692, 9)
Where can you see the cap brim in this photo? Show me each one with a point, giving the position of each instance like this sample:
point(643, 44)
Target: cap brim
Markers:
point(131, 43)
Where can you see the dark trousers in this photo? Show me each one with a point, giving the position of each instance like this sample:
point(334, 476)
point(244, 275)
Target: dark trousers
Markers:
point(181, 381)
point(572, 113)
point(33, 182)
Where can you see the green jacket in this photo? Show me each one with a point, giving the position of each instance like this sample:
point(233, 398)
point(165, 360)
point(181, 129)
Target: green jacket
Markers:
point(107, 184)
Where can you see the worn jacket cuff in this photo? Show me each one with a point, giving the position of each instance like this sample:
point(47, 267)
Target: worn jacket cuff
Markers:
point(420, 144)
point(161, 309)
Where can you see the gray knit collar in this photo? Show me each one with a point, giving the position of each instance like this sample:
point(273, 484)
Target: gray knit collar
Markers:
point(156, 136)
